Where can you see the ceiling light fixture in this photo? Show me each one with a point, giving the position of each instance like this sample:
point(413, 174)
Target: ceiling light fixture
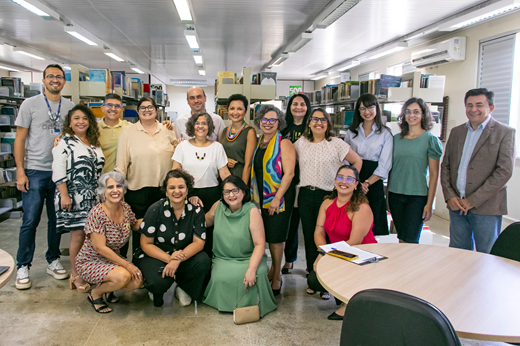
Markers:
point(198, 59)
point(29, 54)
point(421, 34)
point(115, 57)
point(320, 76)
point(9, 68)
point(202, 72)
point(191, 37)
point(350, 65)
point(68, 68)
point(299, 42)
point(482, 14)
point(183, 9)
point(81, 38)
point(278, 61)
point(333, 12)
point(387, 50)
point(135, 69)
point(189, 82)
point(31, 8)
point(38, 8)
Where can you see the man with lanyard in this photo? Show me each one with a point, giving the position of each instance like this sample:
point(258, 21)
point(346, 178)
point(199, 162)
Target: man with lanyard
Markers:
point(196, 98)
point(39, 120)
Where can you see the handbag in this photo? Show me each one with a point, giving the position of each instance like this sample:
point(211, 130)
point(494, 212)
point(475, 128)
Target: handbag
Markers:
point(247, 314)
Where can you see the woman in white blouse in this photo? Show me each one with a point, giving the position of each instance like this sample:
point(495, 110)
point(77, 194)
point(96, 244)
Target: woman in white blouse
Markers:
point(373, 141)
point(320, 154)
point(206, 161)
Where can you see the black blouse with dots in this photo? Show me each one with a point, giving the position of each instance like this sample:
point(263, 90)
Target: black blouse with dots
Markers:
point(169, 233)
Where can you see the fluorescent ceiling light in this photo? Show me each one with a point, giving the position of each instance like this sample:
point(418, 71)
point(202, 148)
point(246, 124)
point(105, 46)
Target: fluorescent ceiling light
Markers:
point(390, 49)
point(192, 39)
point(31, 8)
point(353, 63)
point(9, 68)
point(423, 33)
point(301, 41)
point(278, 61)
point(31, 55)
point(202, 72)
point(333, 12)
point(113, 56)
point(189, 82)
point(198, 59)
point(81, 38)
point(482, 14)
point(183, 9)
point(135, 69)
point(68, 68)
point(320, 76)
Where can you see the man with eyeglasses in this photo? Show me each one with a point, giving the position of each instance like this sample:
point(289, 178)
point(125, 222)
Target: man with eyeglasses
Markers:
point(196, 98)
point(477, 164)
point(39, 121)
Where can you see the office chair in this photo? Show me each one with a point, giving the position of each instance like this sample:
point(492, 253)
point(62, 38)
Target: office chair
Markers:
point(377, 317)
point(507, 244)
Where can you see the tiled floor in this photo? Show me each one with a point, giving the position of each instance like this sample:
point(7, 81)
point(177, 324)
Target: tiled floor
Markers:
point(51, 314)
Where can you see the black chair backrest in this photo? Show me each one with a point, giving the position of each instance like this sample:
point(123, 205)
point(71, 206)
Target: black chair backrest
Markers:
point(507, 244)
point(384, 317)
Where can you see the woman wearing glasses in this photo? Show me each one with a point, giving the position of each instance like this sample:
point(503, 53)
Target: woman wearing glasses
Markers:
point(344, 216)
point(206, 161)
point(416, 152)
point(320, 154)
point(373, 141)
point(239, 139)
point(271, 176)
point(144, 156)
point(239, 262)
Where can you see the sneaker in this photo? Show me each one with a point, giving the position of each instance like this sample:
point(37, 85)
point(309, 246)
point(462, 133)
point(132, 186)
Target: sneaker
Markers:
point(56, 270)
point(23, 281)
point(184, 298)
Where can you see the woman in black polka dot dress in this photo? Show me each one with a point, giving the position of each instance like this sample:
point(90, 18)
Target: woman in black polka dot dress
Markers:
point(173, 234)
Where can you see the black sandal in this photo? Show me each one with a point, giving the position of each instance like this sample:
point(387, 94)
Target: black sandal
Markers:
point(98, 301)
point(111, 298)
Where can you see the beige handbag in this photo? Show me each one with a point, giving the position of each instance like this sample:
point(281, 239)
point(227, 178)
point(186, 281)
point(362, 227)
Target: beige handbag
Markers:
point(247, 314)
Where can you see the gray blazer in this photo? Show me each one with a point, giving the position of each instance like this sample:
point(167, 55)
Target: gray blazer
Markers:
point(490, 167)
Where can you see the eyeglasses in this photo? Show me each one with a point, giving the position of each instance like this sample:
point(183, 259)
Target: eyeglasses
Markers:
point(415, 112)
point(203, 123)
point(318, 119)
point(364, 109)
point(116, 106)
point(51, 77)
point(235, 191)
point(270, 121)
point(146, 108)
point(349, 180)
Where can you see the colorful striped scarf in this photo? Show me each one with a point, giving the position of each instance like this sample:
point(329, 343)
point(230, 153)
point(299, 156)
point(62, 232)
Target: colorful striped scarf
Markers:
point(272, 173)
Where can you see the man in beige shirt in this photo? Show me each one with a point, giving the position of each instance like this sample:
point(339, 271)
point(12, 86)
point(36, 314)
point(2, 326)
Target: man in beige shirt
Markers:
point(110, 128)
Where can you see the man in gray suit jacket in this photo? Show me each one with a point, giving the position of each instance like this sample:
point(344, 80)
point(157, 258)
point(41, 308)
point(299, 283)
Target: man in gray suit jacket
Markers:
point(477, 164)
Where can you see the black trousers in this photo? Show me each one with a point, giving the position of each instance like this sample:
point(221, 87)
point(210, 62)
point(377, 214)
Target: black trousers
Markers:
point(309, 203)
point(376, 198)
point(208, 196)
point(189, 276)
point(139, 201)
point(291, 245)
point(407, 214)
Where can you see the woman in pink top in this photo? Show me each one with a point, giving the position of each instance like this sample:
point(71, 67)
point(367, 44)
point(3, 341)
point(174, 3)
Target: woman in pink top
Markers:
point(344, 216)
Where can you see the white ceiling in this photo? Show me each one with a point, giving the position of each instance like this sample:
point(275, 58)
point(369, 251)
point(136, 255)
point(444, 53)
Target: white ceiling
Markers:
point(232, 34)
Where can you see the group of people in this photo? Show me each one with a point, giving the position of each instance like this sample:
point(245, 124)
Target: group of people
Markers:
point(200, 199)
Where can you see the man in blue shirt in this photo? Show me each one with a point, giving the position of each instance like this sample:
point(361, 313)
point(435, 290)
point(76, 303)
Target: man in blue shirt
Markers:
point(477, 164)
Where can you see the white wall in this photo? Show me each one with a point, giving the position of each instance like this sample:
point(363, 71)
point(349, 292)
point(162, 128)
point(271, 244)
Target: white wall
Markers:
point(178, 103)
point(460, 77)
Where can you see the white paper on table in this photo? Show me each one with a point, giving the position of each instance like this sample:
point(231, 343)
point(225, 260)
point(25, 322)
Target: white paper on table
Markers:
point(363, 256)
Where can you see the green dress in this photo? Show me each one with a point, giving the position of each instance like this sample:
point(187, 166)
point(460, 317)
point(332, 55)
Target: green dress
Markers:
point(232, 250)
point(236, 150)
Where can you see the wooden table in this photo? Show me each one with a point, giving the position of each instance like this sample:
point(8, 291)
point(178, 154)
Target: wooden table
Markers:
point(6, 260)
point(479, 293)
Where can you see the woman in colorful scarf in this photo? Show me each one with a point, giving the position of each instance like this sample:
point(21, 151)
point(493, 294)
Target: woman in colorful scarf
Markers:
point(271, 176)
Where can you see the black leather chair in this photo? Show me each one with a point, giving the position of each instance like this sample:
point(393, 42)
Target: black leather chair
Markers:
point(507, 244)
point(383, 317)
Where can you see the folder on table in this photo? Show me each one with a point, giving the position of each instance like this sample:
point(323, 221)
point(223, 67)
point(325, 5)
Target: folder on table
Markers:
point(364, 257)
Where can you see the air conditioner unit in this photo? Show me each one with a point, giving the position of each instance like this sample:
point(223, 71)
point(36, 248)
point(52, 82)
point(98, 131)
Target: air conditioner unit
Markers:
point(453, 49)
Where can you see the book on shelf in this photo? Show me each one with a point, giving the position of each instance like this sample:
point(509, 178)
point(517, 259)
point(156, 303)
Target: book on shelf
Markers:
point(13, 83)
point(436, 82)
point(384, 82)
point(424, 79)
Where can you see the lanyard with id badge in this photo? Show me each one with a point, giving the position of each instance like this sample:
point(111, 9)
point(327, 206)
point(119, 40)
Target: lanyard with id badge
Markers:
point(55, 130)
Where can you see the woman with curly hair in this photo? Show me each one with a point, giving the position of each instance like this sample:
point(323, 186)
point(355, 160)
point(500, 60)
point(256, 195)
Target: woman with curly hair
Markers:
point(416, 152)
point(344, 216)
point(77, 164)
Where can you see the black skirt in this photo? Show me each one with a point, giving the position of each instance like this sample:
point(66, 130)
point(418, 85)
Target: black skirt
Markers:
point(376, 198)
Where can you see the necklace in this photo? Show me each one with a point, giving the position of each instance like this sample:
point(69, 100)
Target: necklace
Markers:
point(200, 158)
point(232, 136)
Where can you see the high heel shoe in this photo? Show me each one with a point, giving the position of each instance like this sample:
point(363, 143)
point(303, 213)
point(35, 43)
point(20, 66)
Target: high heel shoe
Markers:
point(285, 270)
point(276, 292)
point(81, 288)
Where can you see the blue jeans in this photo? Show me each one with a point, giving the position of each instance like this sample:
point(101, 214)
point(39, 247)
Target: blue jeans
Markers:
point(41, 191)
point(481, 230)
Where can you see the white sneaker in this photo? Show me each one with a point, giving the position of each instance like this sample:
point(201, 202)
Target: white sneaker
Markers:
point(56, 270)
point(184, 298)
point(23, 281)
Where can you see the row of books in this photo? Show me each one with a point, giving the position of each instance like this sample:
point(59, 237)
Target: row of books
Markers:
point(14, 86)
point(8, 114)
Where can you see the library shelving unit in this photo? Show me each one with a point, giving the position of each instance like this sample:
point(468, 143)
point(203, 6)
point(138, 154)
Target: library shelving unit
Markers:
point(254, 93)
